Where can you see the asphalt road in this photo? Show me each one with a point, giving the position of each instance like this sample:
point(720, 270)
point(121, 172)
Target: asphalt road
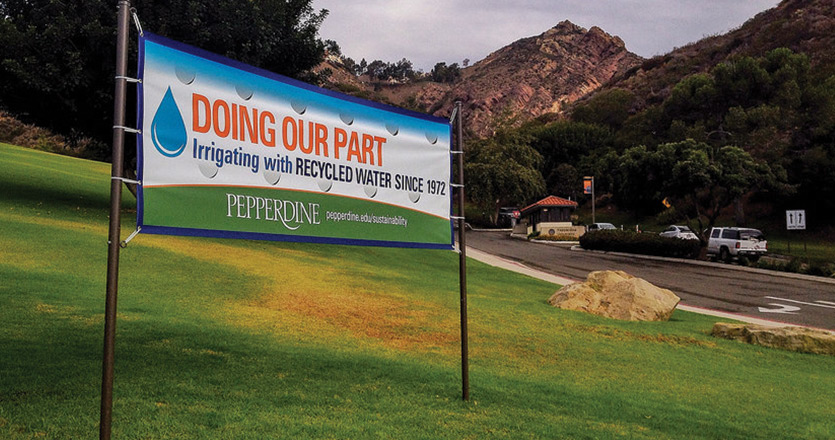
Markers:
point(716, 287)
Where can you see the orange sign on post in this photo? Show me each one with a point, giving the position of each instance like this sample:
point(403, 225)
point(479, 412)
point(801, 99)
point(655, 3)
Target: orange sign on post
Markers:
point(588, 183)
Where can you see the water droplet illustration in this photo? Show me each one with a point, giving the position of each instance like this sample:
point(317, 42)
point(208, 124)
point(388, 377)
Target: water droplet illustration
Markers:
point(370, 191)
point(325, 185)
point(432, 138)
point(185, 76)
point(393, 129)
point(208, 169)
point(168, 131)
point(298, 106)
point(414, 197)
point(244, 92)
point(346, 118)
point(272, 177)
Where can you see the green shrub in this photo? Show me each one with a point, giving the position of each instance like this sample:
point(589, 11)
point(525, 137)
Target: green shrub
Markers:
point(640, 243)
point(821, 269)
point(796, 265)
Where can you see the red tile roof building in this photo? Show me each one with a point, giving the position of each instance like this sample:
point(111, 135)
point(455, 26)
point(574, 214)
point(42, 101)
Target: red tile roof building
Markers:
point(549, 202)
point(551, 215)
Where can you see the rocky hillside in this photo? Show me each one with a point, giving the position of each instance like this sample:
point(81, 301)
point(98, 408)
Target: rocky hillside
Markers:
point(801, 25)
point(537, 75)
point(526, 79)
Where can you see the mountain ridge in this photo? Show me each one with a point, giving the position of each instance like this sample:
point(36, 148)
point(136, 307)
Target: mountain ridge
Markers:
point(528, 78)
point(547, 74)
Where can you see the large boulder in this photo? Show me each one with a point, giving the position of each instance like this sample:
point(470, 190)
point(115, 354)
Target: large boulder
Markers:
point(804, 340)
point(618, 295)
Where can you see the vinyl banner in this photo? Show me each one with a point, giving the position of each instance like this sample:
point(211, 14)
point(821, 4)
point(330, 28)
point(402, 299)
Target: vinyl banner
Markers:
point(230, 150)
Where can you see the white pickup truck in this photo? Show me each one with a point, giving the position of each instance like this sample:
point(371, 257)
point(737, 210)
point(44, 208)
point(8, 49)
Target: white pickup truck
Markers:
point(727, 243)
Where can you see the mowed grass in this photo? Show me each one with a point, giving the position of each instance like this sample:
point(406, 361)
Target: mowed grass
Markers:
point(232, 339)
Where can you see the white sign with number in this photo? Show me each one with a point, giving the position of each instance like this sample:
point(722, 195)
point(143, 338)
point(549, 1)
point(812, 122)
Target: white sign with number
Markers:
point(796, 220)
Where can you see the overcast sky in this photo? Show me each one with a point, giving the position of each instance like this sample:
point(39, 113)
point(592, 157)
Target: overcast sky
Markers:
point(430, 31)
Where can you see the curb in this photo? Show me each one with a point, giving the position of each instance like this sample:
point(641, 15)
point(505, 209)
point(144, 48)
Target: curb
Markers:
point(515, 266)
point(525, 238)
point(796, 276)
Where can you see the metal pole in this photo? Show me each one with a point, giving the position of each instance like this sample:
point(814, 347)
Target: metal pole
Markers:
point(462, 259)
point(115, 220)
point(593, 220)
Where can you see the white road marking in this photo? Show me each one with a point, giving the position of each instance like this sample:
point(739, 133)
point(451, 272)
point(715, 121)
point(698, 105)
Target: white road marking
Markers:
point(801, 302)
point(788, 310)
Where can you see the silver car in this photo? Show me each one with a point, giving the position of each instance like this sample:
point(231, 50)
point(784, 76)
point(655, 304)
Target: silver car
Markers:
point(600, 226)
point(675, 231)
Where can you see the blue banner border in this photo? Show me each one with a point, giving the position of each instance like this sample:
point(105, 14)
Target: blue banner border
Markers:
point(216, 233)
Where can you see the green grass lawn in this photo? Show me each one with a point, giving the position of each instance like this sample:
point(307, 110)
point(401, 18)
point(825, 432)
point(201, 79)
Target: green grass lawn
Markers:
point(234, 339)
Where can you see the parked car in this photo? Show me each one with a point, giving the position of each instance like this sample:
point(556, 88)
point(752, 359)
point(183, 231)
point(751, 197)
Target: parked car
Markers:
point(675, 231)
point(599, 226)
point(508, 217)
point(728, 243)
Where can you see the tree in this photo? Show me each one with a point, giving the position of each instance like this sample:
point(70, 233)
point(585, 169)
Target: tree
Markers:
point(57, 58)
point(503, 170)
point(565, 180)
point(564, 143)
point(376, 69)
point(640, 176)
point(445, 74)
point(332, 48)
point(350, 64)
point(609, 107)
point(705, 180)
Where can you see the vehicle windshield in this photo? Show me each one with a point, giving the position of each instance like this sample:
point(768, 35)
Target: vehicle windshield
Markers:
point(684, 229)
point(751, 234)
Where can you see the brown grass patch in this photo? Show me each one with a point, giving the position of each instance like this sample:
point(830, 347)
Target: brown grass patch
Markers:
point(395, 323)
point(293, 301)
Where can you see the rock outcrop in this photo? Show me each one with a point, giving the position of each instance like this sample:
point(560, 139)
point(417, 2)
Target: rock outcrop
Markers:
point(800, 339)
point(537, 75)
point(618, 295)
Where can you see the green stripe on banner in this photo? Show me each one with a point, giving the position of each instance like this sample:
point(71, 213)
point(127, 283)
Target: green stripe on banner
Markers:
point(298, 213)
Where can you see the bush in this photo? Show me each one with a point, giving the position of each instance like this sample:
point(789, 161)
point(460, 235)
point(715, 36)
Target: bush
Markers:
point(15, 132)
point(638, 243)
point(796, 265)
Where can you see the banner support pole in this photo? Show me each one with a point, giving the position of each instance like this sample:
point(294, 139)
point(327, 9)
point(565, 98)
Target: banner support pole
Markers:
point(113, 237)
point(462, 256)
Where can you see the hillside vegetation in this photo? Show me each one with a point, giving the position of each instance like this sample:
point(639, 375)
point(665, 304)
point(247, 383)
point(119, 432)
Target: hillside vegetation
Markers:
point(753, 132)
point(236, 339)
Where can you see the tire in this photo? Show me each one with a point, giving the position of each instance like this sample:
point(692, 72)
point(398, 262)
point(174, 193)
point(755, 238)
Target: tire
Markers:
point(754, 258)
point(724, 255)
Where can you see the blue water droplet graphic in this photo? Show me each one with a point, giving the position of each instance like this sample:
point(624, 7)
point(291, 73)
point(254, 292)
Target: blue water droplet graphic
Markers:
point(168, 131)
